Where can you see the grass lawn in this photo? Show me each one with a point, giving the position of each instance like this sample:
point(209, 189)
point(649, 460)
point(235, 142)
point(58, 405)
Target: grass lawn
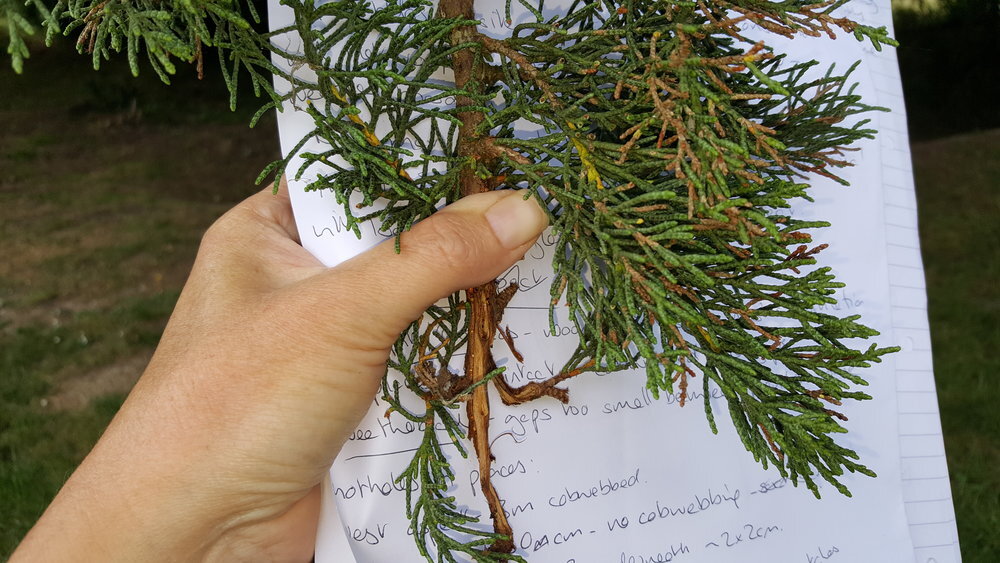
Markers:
point(958, 190)
point(106, 184)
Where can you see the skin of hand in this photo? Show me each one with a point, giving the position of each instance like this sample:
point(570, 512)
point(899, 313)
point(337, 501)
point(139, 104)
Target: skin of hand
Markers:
point(266, 366)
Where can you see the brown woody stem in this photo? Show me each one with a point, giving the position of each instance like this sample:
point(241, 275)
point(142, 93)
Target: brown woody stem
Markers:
point(486, 304)
point(478, 363)
point(469, 74)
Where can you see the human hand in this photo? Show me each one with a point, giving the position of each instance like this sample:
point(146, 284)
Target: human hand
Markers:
point(266, 366)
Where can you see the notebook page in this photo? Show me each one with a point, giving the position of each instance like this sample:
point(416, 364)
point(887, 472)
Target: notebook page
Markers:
point(679, 494)
point(926, 488)
point(925, 482)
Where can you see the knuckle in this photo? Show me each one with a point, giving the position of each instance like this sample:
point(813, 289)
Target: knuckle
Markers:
point(227, 230)
point(219, 231)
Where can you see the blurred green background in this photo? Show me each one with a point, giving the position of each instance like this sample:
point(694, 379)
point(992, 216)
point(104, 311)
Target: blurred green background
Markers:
point(107, 183)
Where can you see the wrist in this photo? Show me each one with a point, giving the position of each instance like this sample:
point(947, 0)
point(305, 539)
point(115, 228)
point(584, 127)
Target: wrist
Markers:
point(85, 522)
point(130, 500)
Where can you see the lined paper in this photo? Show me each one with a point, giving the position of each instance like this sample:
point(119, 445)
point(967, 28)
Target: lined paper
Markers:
point(923, 466)
point(682, 494)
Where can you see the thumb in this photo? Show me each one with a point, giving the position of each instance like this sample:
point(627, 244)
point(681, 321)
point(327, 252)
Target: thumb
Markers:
point(465, 244)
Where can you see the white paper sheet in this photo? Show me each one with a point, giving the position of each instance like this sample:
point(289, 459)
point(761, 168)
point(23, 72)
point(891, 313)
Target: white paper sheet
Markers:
point(616, 476)
point(924, 468)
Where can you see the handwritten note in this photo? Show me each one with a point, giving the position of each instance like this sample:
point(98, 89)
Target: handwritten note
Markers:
point(616, 476)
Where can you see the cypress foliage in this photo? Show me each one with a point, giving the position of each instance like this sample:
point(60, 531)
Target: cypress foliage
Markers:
point(669, 148)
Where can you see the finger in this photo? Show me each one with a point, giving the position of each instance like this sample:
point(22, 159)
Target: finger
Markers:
point(273, 205)
point(464, 245)
point(255, 245)
point(261, 215)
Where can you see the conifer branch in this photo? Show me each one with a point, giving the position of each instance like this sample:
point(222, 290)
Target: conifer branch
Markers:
point(669, 146)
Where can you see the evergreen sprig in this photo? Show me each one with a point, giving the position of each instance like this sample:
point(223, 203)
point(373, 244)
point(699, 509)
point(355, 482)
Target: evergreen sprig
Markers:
point(167, 31)
point(668, 148)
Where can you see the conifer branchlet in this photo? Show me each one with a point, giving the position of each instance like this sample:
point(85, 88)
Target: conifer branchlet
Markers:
point(669, 148)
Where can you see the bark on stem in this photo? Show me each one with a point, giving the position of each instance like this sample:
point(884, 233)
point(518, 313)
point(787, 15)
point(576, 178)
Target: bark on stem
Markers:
point(468, 69)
